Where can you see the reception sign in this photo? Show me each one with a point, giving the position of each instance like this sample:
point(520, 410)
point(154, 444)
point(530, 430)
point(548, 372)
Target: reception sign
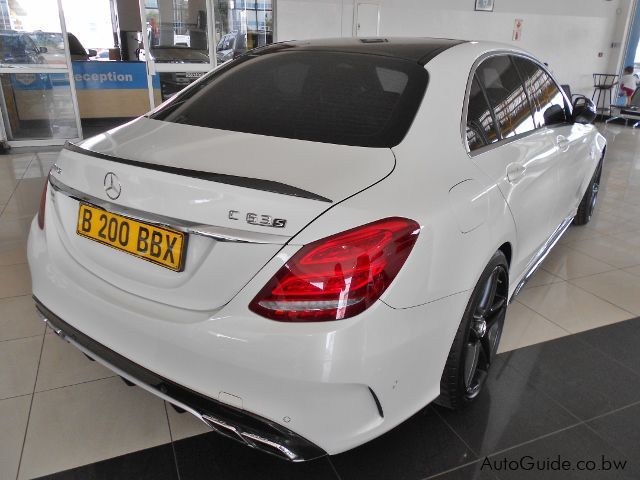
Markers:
point(104, 90)
point(111, 75)
point(113, 89)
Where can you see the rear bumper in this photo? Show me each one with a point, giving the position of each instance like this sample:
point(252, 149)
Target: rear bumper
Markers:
point(250, 429)
point(311, 388)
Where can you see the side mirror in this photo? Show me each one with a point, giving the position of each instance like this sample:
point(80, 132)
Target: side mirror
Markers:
point(584, 111)
point(43, 50)
point(92, 52)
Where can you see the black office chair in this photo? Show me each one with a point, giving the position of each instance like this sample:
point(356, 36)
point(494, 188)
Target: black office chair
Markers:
point(603, 83)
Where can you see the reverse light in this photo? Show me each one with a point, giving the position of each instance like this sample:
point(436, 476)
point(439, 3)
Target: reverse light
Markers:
point(339, 276)
point(43, 204)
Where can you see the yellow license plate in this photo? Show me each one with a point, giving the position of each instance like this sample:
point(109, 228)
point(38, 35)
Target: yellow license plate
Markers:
point(160, 245)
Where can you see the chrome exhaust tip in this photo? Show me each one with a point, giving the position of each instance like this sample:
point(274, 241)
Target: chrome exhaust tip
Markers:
point(250, 439)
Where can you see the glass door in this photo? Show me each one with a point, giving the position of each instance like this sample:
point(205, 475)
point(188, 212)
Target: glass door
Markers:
point(37, 90)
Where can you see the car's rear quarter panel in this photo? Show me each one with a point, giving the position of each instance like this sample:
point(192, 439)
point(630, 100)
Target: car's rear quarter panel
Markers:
point(428, 298)
point(430, 162)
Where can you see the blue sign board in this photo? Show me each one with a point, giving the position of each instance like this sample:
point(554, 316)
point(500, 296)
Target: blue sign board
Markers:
point(111, 75)
point(90, 76)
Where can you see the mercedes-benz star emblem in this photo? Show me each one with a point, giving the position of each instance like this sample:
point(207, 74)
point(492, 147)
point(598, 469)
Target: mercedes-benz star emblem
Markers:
point(112, 185)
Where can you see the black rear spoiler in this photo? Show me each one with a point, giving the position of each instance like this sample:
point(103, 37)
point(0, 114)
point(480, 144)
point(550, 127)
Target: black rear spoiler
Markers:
point(246, 182)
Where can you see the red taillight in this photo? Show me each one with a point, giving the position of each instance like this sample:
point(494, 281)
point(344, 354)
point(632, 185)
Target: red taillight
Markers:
point(43, 204)
point(339, 276)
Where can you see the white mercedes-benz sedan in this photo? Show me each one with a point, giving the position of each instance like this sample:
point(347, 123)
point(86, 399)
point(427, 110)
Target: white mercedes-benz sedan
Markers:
point(314, 241)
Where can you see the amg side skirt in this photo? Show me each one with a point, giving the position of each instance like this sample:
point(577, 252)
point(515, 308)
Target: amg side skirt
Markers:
point(541, 255)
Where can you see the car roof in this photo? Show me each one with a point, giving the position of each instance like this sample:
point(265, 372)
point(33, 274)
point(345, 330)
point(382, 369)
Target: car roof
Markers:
point(419, 50)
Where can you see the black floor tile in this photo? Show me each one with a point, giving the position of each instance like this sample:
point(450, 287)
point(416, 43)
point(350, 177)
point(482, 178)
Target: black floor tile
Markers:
point(579, 377)
point(509, 411)
point(574, 445)
point(422, 446)
point(621, 429)
point(211, 455)
point(156, 463)
point(619, 341)
point(470, 472)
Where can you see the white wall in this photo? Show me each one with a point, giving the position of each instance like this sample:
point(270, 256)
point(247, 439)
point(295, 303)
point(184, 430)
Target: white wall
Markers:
point(567, 34)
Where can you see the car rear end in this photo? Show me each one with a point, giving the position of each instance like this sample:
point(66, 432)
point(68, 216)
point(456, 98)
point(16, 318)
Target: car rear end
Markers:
point(167, 249)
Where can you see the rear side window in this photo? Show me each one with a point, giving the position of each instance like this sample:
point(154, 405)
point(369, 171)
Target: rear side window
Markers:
point(548, 102)
point(480, 127)
point(506, 95)
point(342, 98)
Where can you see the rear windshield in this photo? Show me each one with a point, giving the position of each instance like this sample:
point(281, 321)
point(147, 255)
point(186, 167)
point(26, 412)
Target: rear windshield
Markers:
point(341, 98)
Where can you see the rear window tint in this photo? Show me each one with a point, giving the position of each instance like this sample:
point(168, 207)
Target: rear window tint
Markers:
point(506, 95)
point(481, 129)
point(342, 98)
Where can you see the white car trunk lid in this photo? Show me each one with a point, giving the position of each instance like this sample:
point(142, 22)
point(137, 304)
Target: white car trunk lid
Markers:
point(223, 181)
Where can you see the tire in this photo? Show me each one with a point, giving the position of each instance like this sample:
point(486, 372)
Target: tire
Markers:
point(477, 338)
point(590, 198)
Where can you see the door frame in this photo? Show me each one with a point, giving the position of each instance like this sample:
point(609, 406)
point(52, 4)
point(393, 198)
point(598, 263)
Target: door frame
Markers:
point(355, 16)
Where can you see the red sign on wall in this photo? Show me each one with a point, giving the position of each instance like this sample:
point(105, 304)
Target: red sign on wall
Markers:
point(517, 29)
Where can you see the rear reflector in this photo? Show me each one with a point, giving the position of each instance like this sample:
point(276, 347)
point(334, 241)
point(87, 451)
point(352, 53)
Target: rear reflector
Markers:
point(339, 276)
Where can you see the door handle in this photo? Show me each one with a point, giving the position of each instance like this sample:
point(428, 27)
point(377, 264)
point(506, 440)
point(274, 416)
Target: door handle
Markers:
point(562, 142)
point(515, 171)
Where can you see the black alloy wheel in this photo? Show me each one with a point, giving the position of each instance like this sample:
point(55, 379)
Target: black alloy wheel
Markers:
point(476, 341)
point(595, 188)
point(590, 199)
point(484, 334)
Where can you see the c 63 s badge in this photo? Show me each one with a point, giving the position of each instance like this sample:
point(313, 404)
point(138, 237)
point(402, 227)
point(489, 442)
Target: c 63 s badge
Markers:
point(258, 219)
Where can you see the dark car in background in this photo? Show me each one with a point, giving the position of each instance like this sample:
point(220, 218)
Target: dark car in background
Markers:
point(53, 47)
point(230, 46)
point(77, 51)
point(19, 47)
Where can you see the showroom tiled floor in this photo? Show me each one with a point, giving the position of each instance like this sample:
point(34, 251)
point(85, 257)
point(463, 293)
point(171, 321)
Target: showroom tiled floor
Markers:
point(59, 411)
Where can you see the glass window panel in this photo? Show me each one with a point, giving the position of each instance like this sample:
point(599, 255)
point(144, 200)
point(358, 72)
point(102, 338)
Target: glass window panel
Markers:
point(38, 106)
point(177, 31)
point(480, 127)
point(32, 34)
point(548, 102)
point(90, 28)
point(242, 25)
point(342, 98)
point(506, 95)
